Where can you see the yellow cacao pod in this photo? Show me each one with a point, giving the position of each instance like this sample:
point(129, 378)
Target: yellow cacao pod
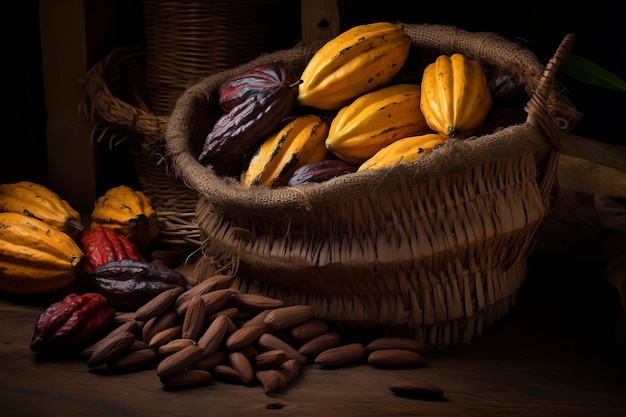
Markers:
point(355, 62)
point(403, 151)
point(35, 257)
point(128, 211)
point(38, 201)
point(455, 96)
point(374, 120)
point(300, 141)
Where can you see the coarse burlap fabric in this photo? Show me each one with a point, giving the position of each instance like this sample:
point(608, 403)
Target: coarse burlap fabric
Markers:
point(435, 249)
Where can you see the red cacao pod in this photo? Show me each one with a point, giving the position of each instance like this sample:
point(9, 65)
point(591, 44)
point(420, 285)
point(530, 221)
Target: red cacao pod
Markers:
point(236, 89)
point(104, 244)
point(72, 323)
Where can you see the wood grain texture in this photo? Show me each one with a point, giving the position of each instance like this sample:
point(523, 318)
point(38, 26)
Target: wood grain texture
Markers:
point(593, 167)
point(540, 360)
point(65, 60)
point(320, 20)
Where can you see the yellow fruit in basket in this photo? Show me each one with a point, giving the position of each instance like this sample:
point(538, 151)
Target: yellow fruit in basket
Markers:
point(35, 257)
point(40, 202)
point(128, 211)
point(403, 151)
point(300, 141)
point(355, 62)
point(374, 120)
point(455, 97)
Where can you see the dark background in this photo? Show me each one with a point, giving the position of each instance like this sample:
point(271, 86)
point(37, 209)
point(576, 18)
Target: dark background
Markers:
point(540, 25)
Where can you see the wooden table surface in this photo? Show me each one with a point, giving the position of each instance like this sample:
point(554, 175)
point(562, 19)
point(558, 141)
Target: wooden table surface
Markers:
point(552, 355)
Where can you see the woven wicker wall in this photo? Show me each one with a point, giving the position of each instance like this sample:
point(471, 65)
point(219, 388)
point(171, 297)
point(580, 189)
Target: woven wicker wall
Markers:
point(188, 40)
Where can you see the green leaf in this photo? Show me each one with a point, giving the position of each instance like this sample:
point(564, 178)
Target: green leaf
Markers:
point(591, 73)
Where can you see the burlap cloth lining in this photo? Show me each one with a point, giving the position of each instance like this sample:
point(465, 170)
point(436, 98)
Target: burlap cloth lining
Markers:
point(196, 111)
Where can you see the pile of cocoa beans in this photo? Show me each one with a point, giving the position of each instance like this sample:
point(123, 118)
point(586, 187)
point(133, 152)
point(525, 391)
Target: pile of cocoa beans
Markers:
point(213, 331)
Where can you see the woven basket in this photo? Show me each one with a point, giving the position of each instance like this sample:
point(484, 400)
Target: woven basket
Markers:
point(132, 90)
point(186, 40)
point(435, 249)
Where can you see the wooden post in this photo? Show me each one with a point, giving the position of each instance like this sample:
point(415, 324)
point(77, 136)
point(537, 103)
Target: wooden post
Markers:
point(64, 61)
point(320, 19)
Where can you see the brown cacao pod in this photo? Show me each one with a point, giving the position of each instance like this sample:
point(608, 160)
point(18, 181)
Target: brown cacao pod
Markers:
point(104, 244)
point(320, 171)
point(239, 87)
point(129, 284)
point(72, 323)
point(237, 132)
point(506, 90)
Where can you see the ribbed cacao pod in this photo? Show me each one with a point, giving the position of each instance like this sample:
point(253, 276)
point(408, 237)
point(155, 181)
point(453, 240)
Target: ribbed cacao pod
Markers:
point(455, 98)
point(374, 120)
point(72, 323)
point(35, 257)
point(299, 140)
point(104, 244)
point(320, 171)
point(239, 87)
point(128, 284)
point(359, 60)
point(38, 201)
point(403, 151)
point(237, 132)
point(128, 211)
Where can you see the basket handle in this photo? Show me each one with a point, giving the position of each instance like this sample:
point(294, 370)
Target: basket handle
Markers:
point(537, 115)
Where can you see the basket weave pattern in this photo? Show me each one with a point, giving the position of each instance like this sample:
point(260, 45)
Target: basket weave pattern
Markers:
point(427, 255)
point(435, 249)
point(186, 42)
point(132, 91)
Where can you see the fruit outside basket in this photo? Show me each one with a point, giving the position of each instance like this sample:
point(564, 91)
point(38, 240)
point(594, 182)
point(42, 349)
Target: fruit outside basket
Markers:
point(133, 89)
point(434, 250)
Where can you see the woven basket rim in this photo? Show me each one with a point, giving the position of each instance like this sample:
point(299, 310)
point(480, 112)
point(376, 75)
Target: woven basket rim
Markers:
point(137, 117)
point(106, 107)
point(181, 44)
point(229, 193)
